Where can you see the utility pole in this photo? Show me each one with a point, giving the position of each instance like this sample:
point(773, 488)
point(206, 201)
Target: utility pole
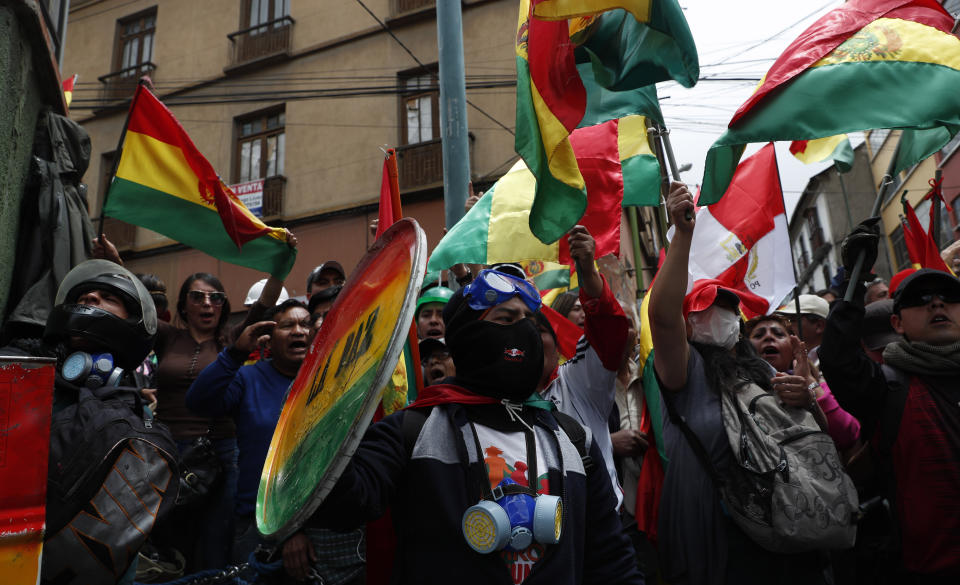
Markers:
point(453, 110)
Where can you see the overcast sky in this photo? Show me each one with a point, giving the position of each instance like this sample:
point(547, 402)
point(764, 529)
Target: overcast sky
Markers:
point(736, 39)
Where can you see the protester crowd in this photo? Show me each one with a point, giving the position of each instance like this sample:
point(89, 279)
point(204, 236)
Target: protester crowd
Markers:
point(514, 465)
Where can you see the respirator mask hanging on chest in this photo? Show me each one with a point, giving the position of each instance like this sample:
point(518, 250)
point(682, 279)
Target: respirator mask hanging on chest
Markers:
point(91, 370)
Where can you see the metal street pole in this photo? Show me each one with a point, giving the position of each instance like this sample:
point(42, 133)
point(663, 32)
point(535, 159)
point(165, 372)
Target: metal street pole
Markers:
point(453, 110)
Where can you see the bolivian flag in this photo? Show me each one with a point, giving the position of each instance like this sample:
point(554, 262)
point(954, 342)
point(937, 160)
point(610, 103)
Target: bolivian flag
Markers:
point(835, 148)
point(163, 183)
point(867, 64)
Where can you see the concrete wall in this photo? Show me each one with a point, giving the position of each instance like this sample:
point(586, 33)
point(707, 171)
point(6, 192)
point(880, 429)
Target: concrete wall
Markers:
point(27, 84)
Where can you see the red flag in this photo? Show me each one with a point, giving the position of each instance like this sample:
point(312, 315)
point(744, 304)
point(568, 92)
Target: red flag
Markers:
point(390, 210)
point(650, 482)
point(921, 246)
point(567, 333)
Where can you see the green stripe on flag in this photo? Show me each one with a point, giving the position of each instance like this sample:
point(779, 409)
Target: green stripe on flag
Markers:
point(641, 180)
point(651, 393)
point(194, 226)
point(559, 278)
point(558, 206)
point(466, 242)
point(849, 97)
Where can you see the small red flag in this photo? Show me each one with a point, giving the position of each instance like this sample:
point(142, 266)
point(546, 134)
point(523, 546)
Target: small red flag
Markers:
point(390, 210)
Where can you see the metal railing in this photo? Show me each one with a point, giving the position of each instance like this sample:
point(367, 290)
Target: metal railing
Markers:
point(420, 165)
point(121, 84)
point(273, 188)
point(264, 40)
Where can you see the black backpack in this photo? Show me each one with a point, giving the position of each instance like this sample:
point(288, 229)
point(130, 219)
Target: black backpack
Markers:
point(112, 472)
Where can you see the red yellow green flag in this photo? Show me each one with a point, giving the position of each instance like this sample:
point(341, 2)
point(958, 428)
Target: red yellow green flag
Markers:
point(163, 183)
point(836, 148)
point(860, 66)
point(551, 101)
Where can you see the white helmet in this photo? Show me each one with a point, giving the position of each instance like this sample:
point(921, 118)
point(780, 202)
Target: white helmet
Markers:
point(254, 293)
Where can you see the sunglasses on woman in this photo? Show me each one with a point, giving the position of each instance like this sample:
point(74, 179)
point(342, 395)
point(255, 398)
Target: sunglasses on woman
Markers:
point(197, 297)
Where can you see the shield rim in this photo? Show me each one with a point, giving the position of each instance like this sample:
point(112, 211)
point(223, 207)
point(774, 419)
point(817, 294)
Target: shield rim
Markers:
point(352, 441)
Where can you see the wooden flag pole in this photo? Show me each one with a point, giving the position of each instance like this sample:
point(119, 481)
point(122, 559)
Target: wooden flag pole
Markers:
point(144, 82)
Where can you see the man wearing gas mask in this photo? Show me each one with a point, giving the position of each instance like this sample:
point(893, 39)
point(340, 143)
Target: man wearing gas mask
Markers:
point(107, 454)
point(488, 482)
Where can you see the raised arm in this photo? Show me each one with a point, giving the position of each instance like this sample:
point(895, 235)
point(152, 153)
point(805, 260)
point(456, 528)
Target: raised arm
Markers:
point(667, 326)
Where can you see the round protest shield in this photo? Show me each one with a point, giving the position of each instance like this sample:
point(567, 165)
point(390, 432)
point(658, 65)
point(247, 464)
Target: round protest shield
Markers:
point(335, 394)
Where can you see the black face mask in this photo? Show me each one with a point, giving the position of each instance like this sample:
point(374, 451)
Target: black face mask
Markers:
point(500, 361)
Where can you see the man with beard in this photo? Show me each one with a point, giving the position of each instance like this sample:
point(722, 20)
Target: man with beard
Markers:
point(452, 463)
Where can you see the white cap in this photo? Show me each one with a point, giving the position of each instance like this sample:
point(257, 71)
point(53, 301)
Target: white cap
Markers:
point(254, 293)
point(809, 305)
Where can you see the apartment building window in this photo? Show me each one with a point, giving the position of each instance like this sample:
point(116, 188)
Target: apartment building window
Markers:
point(900, 254)
point(813, 226)
point(260, 145)
point(420, 104)
point(134, 50)
point(268, 13)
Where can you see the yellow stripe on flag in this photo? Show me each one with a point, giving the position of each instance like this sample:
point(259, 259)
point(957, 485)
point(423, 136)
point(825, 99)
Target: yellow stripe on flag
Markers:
point(561, 160)
point(632, 136)
point(892, 39)
point(563, 9)
point(819, 149)
point(160, 166)
point(509, 238)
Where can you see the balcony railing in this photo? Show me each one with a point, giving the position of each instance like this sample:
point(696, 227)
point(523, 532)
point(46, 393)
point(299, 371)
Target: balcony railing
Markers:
point(121, 84)
point(398, 7)
point(122, 234)
point(420, 165)
point(265, 40)
point(273, 188)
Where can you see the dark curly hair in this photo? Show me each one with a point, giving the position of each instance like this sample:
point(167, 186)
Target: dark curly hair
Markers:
point(215, 283)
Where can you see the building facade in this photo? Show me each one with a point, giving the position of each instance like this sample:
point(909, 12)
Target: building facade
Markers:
point(293, 100)
point(830, 205)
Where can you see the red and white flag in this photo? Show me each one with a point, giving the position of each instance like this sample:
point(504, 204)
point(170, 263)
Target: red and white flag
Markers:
point(743, 239)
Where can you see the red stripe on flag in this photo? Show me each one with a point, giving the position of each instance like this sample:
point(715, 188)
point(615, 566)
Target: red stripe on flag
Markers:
point(389, 211)
point(753, 198)
point(599, 160)
point(834, 28)
point(150, 117)
point(798, 147)
point(553, 70)
point(568, 334)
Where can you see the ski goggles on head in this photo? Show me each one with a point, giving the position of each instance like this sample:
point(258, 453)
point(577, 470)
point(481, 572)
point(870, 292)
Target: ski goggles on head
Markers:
point(490, 288)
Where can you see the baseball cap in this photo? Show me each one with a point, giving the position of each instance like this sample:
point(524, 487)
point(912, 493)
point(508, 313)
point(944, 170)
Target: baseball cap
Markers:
point(809, 305)
point(328, 265)
point(429, 345)
point(254, 293)
point(877, 331)
point(704, 293)
point(925, 278)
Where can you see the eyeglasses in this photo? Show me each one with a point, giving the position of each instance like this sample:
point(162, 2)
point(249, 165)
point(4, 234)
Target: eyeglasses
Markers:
point(440, 354)
point(490, 288)
point(215, 298)
point(922, 299)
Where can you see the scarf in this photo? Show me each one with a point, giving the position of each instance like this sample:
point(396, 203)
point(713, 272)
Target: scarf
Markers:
point(921, 358)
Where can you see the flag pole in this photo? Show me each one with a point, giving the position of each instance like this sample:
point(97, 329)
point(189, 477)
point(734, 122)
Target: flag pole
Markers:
point(635, 240)
point(884, 186)
point(117, 153)
point(664, 134)
point(846, 200)
point(664, 183)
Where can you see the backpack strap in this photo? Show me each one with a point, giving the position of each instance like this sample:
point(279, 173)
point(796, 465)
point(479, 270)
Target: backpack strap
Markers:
point(577, 435)
point(692, 439)
point(413, 421)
